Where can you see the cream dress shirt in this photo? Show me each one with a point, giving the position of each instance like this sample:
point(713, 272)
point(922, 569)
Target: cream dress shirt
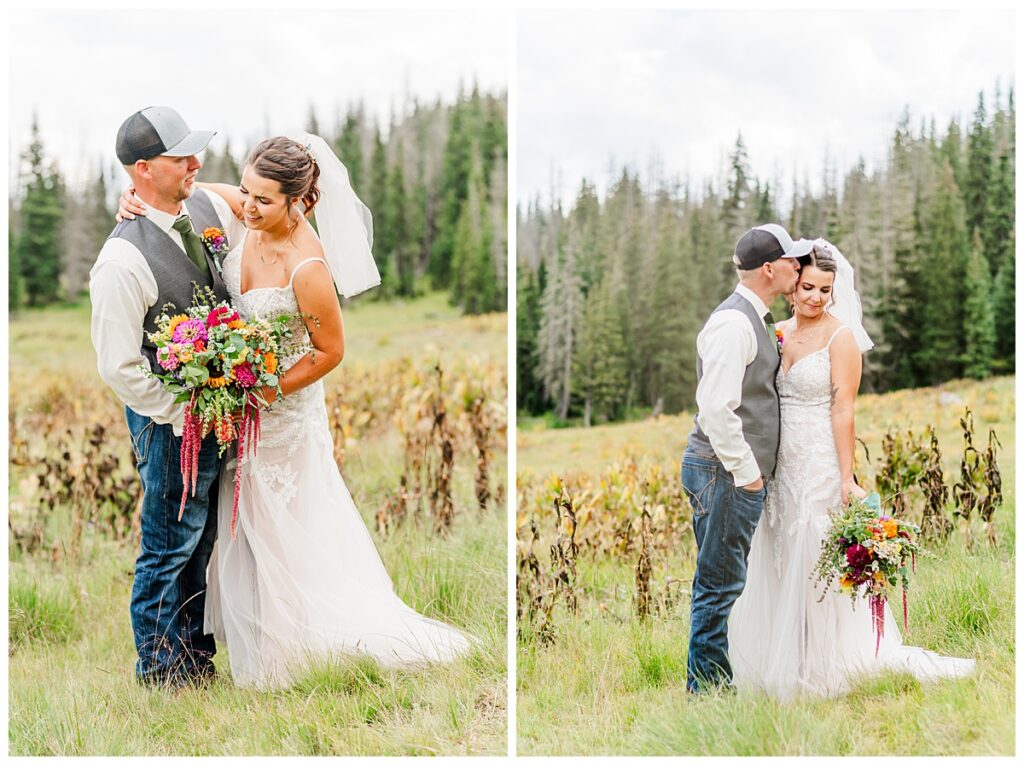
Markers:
point(122, 290)
point(727, 345)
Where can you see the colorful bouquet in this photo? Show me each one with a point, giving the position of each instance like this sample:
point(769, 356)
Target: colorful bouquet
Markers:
point(868, 553)
point(217, 363)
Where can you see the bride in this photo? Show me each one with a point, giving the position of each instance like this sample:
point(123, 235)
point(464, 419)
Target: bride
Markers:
point(300, 577)
point(782, 639)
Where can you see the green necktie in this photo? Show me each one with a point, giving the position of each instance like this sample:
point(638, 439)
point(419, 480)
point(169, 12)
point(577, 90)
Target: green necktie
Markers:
point(769, 324)
point(193, 244)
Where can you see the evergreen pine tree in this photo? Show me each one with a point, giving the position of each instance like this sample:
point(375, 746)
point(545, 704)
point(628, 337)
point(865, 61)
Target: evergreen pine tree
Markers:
point(599, 357)
point(404, 246)
point(979, 321)
point(952, 149)
point(38, 246)
point(942, 275)
point(1004, 310)
point(529, 392)
point(999, 217)
point(735, 210)
point(349, 146)
point(473, 282)
point(497, 209)
point(673, 310)
point(15, 291)
point(455, 187)
point(379, 205)
point(979, 167)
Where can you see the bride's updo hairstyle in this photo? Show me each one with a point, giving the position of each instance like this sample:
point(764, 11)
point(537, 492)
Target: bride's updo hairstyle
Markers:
point(821, 258)
point(289, 163)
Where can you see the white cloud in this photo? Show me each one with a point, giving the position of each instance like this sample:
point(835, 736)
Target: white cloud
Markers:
point(240, 72)
point(797, 84)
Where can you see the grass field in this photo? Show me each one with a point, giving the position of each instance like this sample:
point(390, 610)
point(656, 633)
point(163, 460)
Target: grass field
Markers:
point(611, 686)
point(71, 686)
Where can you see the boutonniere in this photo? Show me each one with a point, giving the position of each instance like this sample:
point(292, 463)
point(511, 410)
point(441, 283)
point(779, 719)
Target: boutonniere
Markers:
point(217, 243)
point(779, 338)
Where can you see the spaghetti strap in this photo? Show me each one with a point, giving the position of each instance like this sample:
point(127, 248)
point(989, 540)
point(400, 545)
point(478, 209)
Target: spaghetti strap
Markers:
point(304, 262)
point(829, 343)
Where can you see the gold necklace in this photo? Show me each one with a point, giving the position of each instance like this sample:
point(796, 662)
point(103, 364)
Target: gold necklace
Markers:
point(811, 334)
point(259, 251)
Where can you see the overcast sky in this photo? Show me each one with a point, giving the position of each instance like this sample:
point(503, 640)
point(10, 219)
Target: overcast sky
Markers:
point(242, 73)
point(605, 87)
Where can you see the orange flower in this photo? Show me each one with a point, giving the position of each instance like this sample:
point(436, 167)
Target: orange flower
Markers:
point(199, 346)
point(217, 382)
point(890, 528)
point(236, 324)
point(270, 363)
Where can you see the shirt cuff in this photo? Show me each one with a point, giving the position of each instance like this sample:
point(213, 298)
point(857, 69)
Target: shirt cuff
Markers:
point(178, 422)
point(746, 473)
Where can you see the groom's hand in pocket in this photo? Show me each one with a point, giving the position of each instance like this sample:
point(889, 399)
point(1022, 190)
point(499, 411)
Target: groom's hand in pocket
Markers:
point(755, 486)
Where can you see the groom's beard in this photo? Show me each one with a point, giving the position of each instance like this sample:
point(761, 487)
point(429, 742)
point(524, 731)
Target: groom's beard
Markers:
point(188, 187)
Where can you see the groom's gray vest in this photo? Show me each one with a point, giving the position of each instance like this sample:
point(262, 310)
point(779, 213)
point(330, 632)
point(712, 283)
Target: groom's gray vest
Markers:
point(759, 402)
point(174, 272)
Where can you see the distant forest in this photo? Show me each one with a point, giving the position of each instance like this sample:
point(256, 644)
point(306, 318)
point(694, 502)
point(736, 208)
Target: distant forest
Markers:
point(436, 182)
point(612, 292)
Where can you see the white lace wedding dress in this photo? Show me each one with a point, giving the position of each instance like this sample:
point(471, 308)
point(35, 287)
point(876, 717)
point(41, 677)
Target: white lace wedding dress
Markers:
point(302, 579)
point(781, 639)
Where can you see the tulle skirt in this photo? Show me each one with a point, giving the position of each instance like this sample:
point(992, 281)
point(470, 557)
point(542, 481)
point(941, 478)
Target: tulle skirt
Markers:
point(302, 580)
point(786, 640)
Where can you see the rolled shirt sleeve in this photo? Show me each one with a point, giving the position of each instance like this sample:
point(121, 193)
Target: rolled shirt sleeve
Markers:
point(122, 288)
point(726, 346)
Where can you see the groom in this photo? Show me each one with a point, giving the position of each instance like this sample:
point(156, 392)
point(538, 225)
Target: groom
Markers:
point(147, 263)
point(734, 442)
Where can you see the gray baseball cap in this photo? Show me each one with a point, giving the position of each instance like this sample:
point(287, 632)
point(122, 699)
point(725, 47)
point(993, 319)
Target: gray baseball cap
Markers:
point(156, 131)
point(768, 243)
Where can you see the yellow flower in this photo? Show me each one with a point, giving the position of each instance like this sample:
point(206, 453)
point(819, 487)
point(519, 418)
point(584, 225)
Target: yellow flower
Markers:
point(185, 355)
point(845, 583)
point(175, 321)
point(217, 382)
point(236, 324)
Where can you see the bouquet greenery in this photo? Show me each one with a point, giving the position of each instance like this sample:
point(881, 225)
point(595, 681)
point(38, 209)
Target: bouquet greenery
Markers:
point(217, 363)
point(870, 554)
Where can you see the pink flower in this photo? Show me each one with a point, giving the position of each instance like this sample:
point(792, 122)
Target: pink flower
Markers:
point(167, 358)
point(244, 375)
point(190, 331)
point(221, 315)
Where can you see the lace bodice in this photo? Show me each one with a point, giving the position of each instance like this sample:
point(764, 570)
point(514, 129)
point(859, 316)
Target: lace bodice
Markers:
point(808, 382)
point(806, 485)
point(301, 414)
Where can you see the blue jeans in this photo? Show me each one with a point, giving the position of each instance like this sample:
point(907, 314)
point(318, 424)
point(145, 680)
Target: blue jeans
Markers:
point(169, 593)
point(724, 519)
